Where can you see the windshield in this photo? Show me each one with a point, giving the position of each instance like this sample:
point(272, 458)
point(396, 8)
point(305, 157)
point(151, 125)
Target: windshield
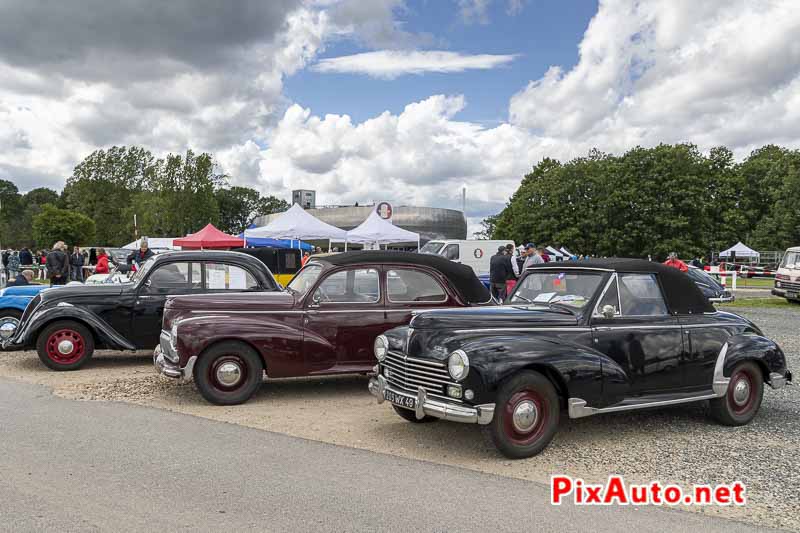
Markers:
point(546, 288)
point(791, 260)
point(304, 280)
point(143, 270)
point(432, 247)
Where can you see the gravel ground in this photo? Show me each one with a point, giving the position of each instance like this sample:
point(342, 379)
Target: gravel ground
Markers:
point(673, 445)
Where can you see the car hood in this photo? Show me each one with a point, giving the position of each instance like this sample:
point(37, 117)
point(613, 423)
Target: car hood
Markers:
point(234, 301)
point(506, 316)
point(68, 292)
point(23, 290)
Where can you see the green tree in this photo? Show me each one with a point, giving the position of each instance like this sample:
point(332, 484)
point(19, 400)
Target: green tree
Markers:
point(53, 224)
point(240, 206)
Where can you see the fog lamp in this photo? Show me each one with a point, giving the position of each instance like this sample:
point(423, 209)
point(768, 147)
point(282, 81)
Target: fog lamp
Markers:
point(454, 391)
point(381, 346)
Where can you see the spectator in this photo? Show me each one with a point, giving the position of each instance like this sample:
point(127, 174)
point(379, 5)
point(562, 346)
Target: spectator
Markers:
point(305, 259)
point(102, 262)
point(499, 271)
point(58, 264)
point(25, 278)
point(531, 257)
point(92, 256)
point(543, 254)
point(25, 257)
point(141, 255)
point(6, 256)
point(674, 262)
point(514, 264)
point(13, 265)
point(42, 265)
point(76, 261)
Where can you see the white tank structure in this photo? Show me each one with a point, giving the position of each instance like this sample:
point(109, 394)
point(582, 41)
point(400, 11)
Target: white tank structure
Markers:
point(430, 222)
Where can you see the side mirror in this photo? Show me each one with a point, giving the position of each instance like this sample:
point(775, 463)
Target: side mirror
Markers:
point(609, 311)
point(316, 298)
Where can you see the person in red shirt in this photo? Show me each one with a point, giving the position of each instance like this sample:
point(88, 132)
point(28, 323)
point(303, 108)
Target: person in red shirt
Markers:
point(674, 262)
point(102, 262)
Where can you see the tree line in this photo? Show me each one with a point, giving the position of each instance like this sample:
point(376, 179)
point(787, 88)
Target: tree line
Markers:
point(652, 201)
point(170, 196)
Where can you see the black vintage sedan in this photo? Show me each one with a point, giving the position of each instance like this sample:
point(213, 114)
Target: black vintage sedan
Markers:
point(586, 338)
point(66, 324)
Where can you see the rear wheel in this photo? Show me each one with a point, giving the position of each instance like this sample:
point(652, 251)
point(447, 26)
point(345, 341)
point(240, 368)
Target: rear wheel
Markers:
point(65, 345)
point(228, 373)
point(9, 321)
point(411, 416)
point(743, 397)
point(525, 416)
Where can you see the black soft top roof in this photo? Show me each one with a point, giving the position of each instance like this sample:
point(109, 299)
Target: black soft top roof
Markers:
point(462, 277)
point(683, 296)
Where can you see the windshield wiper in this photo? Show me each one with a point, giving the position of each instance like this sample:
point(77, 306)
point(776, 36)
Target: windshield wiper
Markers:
point(528, 300)
point(559, 305)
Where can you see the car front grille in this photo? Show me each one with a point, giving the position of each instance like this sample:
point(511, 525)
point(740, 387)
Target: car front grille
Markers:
point(790, 285)
point(409, 373)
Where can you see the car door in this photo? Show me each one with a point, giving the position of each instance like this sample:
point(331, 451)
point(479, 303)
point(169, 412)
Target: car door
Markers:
point(165, 279)
point(704, 336)
point(342, 317)
point(411, 289)
point(641, 337)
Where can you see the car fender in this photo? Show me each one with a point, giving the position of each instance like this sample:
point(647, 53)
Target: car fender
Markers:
point(577, 370)
point(103, 332)
point(753, 347)
point(277, 341)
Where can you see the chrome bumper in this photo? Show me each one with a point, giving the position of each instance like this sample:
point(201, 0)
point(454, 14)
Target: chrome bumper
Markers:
point(480, 414)
point(169, 369)
point(777, 380)
point(723, 299)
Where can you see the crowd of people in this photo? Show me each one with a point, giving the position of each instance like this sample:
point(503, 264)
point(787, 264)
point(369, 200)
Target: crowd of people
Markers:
point(59, 267)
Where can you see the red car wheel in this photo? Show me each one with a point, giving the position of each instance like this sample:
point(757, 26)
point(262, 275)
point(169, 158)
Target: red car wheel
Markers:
point(65, 345)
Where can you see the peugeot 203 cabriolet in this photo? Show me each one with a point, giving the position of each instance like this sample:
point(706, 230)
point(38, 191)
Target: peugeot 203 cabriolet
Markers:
point(324, 323)
point(586, 338)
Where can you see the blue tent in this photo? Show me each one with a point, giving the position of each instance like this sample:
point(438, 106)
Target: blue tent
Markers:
point(263, 242)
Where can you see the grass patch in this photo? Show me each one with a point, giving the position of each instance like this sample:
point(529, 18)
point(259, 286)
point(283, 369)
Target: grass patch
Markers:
point(759, 302)
point(754, 283)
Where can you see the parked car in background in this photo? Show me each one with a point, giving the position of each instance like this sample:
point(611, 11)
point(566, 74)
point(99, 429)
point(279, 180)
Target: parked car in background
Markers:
point(473, 253)
point(65, 325)
point(324, 323)
point(13, 301)
point(710, 287)
point(787, 278)
point(284, 263)
point(594, 337)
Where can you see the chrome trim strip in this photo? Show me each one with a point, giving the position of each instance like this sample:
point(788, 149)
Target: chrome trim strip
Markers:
point(578, 409)
point(264, 312)
point(581, 329)
point(720, 383)
point(425, 406)
point(570, 267)
point(636, 326)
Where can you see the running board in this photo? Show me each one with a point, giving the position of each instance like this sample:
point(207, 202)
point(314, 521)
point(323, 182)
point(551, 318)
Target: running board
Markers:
point(579, 409)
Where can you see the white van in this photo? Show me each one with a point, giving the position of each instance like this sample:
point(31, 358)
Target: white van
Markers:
point(787, 278)
point(474, 253)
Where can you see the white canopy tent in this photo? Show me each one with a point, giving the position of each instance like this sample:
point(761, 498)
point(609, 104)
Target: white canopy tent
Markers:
point(741, 250)
point(378, 230)
point(296, 224)
point(155, 243)
point(566, 252)
point(555, 253)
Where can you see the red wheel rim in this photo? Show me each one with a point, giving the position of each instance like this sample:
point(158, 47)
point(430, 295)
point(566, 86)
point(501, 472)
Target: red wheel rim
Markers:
point(65, 346)
point(531, 421)
point(221, 373)
point(741, 393)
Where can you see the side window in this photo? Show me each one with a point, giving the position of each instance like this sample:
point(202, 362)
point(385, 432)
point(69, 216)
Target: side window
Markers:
point(197, 276)
point(413, 286)
point(350, 286)
point(641, 295)
point(169, 278)
point(610, 297)
point(224, 277)
point(451, 252)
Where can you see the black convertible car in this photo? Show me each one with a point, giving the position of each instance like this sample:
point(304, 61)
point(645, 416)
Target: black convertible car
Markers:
point(66, 324)
point(590, 337)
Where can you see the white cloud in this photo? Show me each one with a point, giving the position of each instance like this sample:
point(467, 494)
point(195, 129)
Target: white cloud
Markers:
point(389, 64)
point(715, 72)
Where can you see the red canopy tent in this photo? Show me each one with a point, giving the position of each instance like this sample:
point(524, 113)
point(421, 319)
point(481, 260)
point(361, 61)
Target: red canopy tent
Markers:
point(209, 237)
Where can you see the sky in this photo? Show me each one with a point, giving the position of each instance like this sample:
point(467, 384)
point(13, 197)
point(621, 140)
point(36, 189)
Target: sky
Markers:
point(405, 101)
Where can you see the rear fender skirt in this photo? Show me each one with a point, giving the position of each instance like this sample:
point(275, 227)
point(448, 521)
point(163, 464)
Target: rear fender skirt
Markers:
point(749, 347)
point(103, 332)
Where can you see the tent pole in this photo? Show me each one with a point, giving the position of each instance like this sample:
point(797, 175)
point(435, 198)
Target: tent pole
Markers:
point(329, 245)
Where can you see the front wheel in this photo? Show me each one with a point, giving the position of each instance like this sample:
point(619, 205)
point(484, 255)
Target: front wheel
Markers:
point(525, 416)
point(65, 345)
point(228, 373)
point(411, 416)
point(743, 397)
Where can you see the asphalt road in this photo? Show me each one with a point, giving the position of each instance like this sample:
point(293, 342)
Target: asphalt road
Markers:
point(97, 466)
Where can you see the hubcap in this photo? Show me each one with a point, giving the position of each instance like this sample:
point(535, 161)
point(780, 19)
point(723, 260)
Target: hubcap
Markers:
point(65, 347)
point(741, 391)
point(525, 416)
point(229, 374)
point(8, 326)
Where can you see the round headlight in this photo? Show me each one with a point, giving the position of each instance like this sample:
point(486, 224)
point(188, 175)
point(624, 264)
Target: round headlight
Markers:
point(381, 347)
point(458, 365)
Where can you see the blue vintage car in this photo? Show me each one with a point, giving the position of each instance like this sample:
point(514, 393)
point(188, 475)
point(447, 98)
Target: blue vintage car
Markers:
point(13, 301)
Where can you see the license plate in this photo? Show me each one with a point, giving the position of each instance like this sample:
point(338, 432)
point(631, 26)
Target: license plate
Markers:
point(792, 295)
point(399, 400)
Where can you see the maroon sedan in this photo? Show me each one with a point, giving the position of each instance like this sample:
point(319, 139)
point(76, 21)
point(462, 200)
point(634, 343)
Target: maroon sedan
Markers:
point(324, 323)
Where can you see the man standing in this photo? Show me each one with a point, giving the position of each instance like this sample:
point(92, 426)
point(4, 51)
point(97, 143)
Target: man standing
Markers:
point(25, 257)
point(674, 262)
point(76, 265)
point(499, 272)
point(532, 257)
point(512, 279)
point(58, 264)
point(141, 255)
